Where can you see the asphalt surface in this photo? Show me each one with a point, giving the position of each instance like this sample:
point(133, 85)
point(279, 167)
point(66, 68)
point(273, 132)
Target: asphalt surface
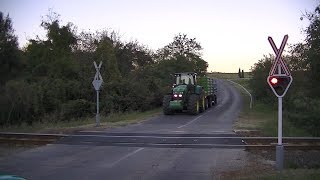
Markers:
point(165, 147)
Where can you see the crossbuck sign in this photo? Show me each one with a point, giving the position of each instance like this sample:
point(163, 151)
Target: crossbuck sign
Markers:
point(279, 78)
point(97, 80)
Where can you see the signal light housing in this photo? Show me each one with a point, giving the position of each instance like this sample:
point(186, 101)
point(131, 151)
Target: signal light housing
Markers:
point(279, 84)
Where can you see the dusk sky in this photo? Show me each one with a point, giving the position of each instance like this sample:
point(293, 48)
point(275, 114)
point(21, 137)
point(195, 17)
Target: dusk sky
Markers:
point(232, 33)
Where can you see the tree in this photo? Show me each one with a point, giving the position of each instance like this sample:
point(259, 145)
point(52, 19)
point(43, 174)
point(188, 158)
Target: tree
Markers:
point(185, 50)
point(60, 38)
point(184, 46)
point(106, 53)
point(302, 100)
point(10, 63)
point(258, 83)
point(56, 82)
point(242, 74)
point(239, 73)
point(313, 49)
point(53, 57)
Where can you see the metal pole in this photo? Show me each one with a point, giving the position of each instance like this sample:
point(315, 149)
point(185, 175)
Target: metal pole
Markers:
point(279, 148)
point(97, 115)
point(280, 121)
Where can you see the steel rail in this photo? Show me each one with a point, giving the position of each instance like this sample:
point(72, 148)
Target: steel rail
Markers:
point(250, 143)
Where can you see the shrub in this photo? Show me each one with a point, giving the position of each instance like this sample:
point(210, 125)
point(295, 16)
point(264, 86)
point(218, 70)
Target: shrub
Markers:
point(76, 109)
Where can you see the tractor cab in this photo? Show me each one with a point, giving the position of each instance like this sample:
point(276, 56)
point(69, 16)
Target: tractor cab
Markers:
point(185, 78)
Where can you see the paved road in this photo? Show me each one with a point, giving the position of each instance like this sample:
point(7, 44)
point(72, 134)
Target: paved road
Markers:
point(165, 147)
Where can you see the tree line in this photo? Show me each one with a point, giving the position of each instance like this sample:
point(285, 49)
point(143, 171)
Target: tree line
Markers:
point(50, 79)
point(302, 101)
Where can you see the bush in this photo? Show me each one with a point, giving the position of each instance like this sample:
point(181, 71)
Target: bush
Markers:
point(76, 109)
point(17, 103)
point(258, 83)
point(128, 95)
point(304, 113)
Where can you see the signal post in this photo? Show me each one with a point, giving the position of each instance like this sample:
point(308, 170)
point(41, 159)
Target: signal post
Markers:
point(97, 83)
point(279, 80)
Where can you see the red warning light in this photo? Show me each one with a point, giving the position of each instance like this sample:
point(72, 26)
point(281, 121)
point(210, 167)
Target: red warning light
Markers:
point(274, 80)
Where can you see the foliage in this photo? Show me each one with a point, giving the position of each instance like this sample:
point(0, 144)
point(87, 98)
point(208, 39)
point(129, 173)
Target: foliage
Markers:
point(258, 83)
point(50, 79)
point(184, 54)
point(313, 49)
point(76, 109)
point(302, 101)
point(10, 61)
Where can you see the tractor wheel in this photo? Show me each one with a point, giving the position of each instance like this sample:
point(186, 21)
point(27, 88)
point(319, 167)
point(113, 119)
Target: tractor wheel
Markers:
point(202, 104)
point(215, 100)
point(206, 103)
point(209, 102)
point(193, 104)
point(166, 105)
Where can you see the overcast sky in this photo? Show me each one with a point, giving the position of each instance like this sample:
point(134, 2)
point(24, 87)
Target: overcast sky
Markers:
point(233, 33)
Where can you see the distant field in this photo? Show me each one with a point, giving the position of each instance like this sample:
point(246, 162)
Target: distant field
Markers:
point(220, 75)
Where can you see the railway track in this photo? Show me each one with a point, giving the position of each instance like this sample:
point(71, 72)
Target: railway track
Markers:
point(162, 140)
point(29, 138)
point(290, 143)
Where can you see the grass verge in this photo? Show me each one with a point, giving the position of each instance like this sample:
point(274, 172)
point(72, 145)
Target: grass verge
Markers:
point(290, 174)
point(293, 174)
point(112, 120)
point(262, 117)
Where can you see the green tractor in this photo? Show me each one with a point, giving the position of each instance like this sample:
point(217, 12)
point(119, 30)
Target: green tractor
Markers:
point(189, 95)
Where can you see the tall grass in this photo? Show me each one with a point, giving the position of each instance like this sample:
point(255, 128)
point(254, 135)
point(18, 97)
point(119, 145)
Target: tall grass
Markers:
point(112, 120)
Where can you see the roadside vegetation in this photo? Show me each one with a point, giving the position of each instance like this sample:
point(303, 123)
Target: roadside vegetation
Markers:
point(288, 174)
point(302, 102)
point(84, 123)
point(263, 117)
point(296, 174)
point(48, 81)
point(301, 107)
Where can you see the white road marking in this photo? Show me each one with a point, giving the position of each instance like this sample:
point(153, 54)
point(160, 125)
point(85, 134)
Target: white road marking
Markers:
point(220, 132)
point(125, 157)
point(178, 131)
point(251, 99)
point(190, 122)
point(92, 131)
point(88, 142)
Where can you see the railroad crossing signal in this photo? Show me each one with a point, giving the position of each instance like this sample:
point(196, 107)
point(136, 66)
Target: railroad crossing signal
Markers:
point(279, 78)
point(97, 80)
